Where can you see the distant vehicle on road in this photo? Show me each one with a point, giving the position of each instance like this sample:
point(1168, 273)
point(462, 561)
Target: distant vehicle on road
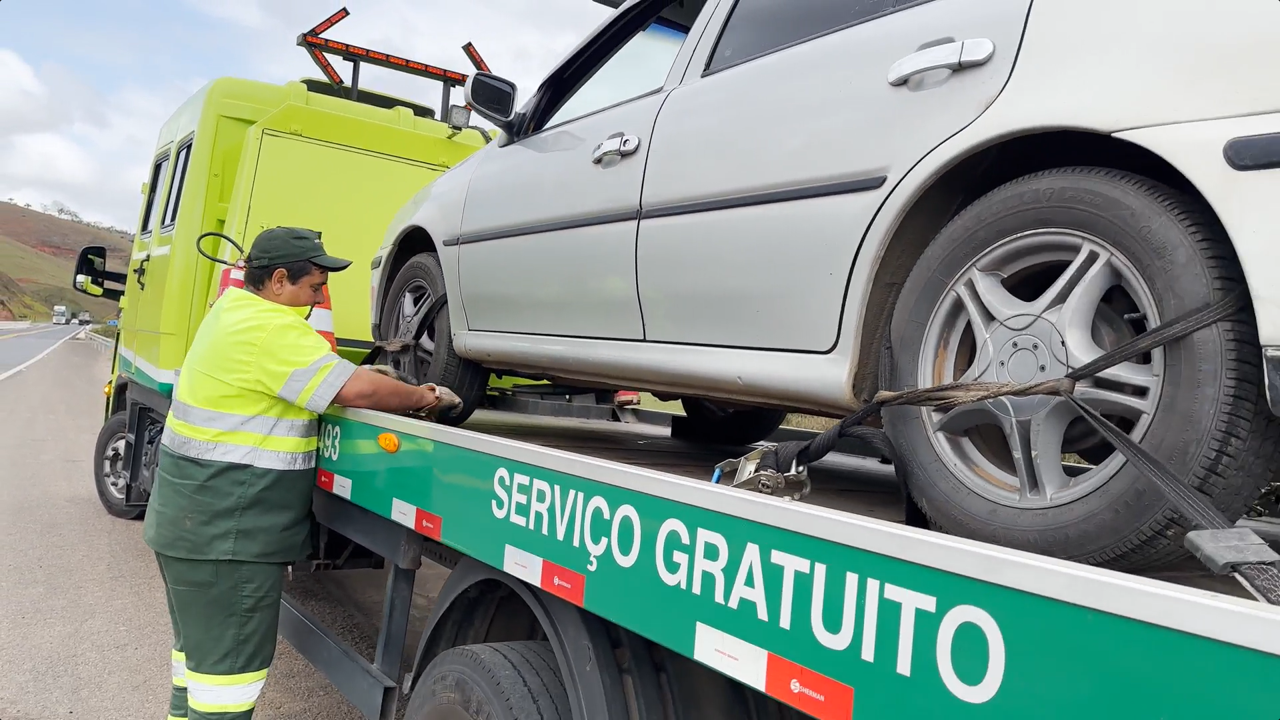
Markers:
point(84, 318)
point(60, 316)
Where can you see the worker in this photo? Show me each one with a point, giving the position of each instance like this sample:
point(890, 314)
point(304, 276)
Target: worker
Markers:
point(230, 509)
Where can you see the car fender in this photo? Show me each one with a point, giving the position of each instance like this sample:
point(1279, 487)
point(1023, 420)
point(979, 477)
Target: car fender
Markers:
point(1109, 73)
point(436, 209)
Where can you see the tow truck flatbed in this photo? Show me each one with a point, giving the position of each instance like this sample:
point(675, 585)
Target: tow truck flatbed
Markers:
point(618, 524)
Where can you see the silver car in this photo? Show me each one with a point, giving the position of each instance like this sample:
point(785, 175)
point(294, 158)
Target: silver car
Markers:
point(759, 206)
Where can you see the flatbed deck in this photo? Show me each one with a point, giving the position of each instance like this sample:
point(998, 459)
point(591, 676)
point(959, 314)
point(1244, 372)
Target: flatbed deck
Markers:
point(849, 483)
point(589, 522)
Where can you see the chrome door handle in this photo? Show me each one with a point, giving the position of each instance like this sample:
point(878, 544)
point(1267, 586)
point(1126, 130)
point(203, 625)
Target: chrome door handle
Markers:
point(952, 56)
point(618, 145)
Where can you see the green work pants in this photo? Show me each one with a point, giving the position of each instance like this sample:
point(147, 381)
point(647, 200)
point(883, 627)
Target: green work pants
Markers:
point(225, 614)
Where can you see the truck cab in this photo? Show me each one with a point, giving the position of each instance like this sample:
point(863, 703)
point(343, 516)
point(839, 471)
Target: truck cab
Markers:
point(239, 157)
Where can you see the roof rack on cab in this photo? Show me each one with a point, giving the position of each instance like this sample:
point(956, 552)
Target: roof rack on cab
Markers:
point(317, 47)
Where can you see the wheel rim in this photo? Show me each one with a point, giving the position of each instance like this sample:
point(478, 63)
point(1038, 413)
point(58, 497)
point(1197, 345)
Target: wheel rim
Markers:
point(1031, 308)
point(408, 325)
point(114, 473)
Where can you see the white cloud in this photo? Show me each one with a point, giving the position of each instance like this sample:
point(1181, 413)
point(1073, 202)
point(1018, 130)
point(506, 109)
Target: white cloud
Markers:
point(62, 140)
point(90, 147)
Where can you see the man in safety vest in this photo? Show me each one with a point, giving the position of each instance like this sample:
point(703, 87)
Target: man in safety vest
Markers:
point(231, 504)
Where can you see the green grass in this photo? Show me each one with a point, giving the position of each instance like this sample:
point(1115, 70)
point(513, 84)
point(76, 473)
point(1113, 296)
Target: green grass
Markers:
point(29, 266)
point(46, 281)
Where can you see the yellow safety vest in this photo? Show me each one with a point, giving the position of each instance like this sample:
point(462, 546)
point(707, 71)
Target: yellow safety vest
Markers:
point(237, 458)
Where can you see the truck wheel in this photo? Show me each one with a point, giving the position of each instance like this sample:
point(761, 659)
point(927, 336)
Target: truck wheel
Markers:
point(708, 422)
point(497, 681)
point(432, 359)
point(110, 468)
point(1040, 276)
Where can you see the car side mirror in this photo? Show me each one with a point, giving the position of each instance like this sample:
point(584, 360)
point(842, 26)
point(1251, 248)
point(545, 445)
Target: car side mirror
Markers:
point(92, 276)
point(494, 98)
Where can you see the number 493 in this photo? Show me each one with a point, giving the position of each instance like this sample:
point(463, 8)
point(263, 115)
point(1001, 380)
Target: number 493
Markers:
point(330, 436)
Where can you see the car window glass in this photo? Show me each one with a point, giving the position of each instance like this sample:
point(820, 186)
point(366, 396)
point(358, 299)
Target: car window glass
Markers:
point(175, 187)
point(756, 27)
point(153, 194)
point(638, 67)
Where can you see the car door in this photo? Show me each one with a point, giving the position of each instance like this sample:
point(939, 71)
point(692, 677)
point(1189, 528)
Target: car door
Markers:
point(547, 243)
point(793, 123)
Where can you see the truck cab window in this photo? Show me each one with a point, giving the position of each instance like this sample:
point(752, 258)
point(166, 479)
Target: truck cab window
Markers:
point(638, 67)
point(158, 173)
point(175, 187)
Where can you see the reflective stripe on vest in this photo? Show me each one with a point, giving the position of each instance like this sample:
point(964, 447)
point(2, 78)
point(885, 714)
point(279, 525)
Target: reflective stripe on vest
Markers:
point(224, 693)
point(239, 454)
point(299, 379)
point(234, 422)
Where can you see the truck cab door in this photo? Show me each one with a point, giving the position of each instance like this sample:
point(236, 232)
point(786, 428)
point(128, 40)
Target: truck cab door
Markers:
point(133, 322)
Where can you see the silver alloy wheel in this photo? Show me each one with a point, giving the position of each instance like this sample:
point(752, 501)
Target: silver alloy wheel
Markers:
point(114, 472)
point(1032, 307)
point(414, 300)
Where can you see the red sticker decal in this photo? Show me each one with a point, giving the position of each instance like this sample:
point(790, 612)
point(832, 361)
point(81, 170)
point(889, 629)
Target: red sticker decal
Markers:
point(427, 524)
point(562, 582)
point(324, 479)
point(808, 691)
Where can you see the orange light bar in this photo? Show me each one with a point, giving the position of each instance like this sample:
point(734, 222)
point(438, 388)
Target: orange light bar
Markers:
point(325, 66)
point(329, 22)
point(317, 43)
point(474, 56)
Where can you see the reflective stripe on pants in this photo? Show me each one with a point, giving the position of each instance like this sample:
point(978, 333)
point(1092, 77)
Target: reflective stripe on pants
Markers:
point(210, 694)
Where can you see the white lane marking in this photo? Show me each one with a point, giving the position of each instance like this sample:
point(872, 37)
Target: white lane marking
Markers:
point(33, 360)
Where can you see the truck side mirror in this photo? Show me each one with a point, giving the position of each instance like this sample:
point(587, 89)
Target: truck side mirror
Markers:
point(92, 276)
point(494, 98)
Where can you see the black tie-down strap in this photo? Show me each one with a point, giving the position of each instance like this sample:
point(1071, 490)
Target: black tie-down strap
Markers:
point(1224, 548)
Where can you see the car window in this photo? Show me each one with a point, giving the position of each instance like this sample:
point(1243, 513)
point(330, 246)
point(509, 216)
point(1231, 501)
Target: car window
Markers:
point(757, 27)
point(176, 185)
point(637, 68)
point(158, 173)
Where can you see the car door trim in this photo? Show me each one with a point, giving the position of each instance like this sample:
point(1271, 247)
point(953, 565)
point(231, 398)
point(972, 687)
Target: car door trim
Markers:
point(553, 226)
point(768, 197)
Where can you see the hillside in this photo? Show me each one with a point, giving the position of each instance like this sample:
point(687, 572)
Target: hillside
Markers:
point(37, 259)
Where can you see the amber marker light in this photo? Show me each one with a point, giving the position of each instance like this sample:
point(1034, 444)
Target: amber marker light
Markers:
point(389, 442)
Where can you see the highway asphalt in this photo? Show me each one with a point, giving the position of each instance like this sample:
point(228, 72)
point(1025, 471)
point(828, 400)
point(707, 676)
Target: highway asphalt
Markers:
point(83, 626)
point(19, 345)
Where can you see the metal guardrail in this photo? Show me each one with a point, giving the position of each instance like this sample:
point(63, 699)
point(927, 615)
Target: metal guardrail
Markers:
point(103, 342)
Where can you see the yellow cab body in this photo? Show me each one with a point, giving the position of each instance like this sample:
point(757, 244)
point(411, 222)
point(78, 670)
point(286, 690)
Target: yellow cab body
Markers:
point(241, 156)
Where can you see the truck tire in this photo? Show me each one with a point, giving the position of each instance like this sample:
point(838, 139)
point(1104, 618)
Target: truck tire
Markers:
point(496, 681)
point(109, 467)
point(433, 361)
point(707, 422)
point(1039, 276)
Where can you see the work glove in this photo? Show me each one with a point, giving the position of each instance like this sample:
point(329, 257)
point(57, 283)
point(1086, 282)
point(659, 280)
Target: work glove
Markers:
point(447, 401)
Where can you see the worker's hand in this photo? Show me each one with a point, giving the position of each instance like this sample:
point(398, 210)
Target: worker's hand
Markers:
point(439, 400)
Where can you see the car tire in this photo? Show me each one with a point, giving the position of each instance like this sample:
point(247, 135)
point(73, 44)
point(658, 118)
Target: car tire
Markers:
point(1206, 417)
point(109, 461)
point(707, 422)
point(496, 681)
point(420, 280)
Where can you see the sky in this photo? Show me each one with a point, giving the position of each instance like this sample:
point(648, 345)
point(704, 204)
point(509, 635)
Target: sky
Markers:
point(86, 84)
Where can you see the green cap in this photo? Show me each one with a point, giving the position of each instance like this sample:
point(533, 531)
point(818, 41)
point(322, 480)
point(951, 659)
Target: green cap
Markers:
point(281, 245)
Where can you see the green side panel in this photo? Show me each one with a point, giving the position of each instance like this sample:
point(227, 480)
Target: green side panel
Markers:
point(1051, 660)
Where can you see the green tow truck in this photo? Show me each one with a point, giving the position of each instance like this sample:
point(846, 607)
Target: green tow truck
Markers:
point(596, 569)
